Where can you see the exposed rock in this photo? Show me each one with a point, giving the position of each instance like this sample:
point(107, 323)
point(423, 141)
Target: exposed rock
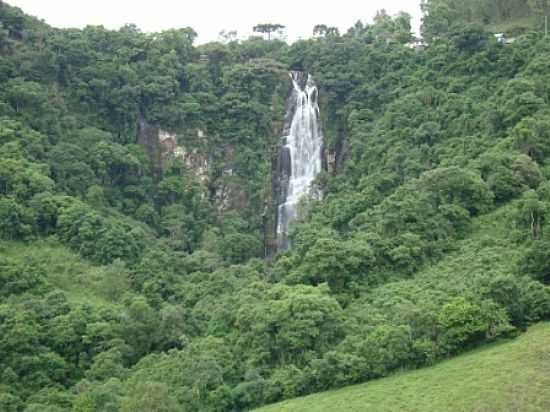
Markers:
point(170, 148)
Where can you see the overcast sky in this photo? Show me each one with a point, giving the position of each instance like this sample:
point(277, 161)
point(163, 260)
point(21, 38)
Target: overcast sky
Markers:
point(209, 17)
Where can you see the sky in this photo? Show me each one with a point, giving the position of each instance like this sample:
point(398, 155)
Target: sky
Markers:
point(209, 17)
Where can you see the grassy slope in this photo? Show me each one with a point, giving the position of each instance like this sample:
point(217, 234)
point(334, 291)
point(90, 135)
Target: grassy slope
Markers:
point(506, 376)
point(66, 270)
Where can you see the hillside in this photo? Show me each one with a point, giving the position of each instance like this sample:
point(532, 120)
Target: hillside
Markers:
point(485, 379)
point(505, 376)
point(143, 258)
point(511, 17)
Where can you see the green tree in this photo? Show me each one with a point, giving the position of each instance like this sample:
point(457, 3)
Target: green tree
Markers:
point(14, 220)
point(115, 281)
point(536, 262)
point(289, 324)
point(465, 322)
point(149, 396)
point(336, 263)
point(531, 136)
point(531, 214)
point(141, 326)
point(268, 28)
point(322, 30)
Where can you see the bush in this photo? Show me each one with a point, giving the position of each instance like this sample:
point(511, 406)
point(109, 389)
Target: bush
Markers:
point(464, 323)
point(19, 277)
point(15, 220)
point(536, 263)
point(239, 247)
point(100, 239)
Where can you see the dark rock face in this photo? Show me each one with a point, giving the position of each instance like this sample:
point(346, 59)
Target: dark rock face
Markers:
point(284, 169)
point(148, 137)
point(280, 174)
point(300, 77)
point(341, 146)
point(224, 191)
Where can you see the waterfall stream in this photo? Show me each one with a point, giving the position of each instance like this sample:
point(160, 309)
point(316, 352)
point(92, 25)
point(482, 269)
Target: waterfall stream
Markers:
point(300, 157)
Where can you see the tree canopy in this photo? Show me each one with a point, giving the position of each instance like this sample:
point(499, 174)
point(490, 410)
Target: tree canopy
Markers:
point(138, 176)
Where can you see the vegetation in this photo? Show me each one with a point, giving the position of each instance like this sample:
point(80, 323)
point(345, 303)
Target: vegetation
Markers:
point(268, 28)
point(512, 16)
point(133, 272)
point(503, 377)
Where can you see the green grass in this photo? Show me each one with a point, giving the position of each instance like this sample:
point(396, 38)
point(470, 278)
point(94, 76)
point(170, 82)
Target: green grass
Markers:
point(65, 269)
point(506, 376)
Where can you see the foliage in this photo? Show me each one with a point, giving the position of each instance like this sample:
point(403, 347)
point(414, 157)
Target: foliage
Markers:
point(268, 28)
point(475, 381)
point(137, 204)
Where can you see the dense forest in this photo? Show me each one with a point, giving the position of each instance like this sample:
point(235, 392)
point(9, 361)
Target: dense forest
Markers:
point(137, 270)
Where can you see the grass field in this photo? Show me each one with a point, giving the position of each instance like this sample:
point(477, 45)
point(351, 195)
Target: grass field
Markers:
point(506, 376)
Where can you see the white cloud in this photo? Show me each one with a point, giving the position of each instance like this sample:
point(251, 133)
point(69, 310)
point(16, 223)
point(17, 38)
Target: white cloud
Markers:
point(209, 17)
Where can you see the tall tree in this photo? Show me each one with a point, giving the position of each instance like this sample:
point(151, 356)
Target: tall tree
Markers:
point(268, 28)
point(322, 30)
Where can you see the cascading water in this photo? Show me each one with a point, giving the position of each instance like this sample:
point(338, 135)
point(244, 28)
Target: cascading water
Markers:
point(300, 159)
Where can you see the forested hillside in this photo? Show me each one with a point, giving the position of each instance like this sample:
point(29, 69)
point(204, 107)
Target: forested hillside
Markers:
point(506, 376)
point(137, 210)
point(512, 16)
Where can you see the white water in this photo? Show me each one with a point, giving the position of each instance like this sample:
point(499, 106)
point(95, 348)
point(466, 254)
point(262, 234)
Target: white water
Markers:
point(304, 142)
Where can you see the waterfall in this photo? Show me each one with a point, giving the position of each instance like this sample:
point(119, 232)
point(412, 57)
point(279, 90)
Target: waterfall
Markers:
point(300, 158)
